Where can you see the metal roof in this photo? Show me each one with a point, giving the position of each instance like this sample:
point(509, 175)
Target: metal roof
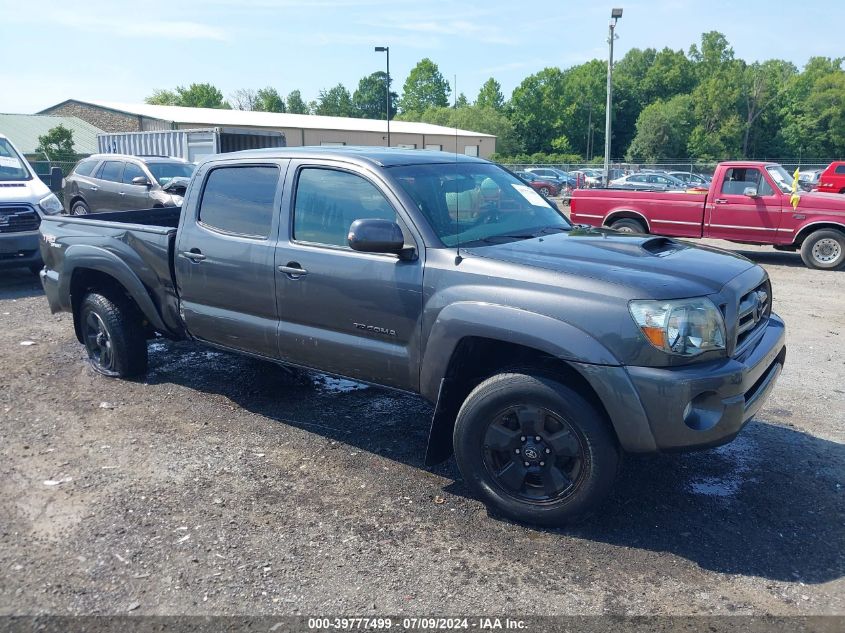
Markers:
point(216, 117)
point(24, 129)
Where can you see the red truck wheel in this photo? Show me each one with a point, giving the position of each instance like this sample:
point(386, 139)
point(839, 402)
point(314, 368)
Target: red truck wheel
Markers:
point(628, 225)
point(824, 249)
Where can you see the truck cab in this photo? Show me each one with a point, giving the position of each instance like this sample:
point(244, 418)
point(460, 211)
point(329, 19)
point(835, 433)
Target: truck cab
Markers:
point(24, 201)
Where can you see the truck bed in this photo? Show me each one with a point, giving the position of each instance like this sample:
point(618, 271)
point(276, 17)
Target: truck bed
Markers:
point(677, 213)
point(136, 243)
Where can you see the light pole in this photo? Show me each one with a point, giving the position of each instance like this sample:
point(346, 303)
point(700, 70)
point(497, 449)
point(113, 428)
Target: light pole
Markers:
point(615, 14)
point(386, 49)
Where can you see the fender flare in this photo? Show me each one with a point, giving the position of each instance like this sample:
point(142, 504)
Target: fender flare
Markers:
point(806, 229)
point(609, 217)
point(80, 256)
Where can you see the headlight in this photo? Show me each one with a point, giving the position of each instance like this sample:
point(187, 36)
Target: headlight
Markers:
point(50, 204)
point(685, 327)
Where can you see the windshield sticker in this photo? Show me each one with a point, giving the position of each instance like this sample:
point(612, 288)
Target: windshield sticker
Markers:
point(9, 161)
point(532, 196)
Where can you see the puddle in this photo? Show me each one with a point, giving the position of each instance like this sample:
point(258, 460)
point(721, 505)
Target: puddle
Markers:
point(737, 460)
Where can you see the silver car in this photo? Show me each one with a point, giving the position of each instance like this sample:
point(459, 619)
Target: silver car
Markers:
point(647, 181)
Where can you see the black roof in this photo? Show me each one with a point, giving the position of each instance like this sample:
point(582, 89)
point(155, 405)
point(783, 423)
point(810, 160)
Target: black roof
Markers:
point(378, 156)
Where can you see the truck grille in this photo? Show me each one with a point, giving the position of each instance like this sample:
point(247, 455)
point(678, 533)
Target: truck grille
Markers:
point(18, 219)
point(753, 313)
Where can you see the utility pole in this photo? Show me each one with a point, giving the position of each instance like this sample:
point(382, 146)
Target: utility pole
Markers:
point(386, 49)
point(615, 14)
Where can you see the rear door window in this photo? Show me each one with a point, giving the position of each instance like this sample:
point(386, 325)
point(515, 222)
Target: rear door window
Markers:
point(112, 170)
point(240, 200)
point(85, 167)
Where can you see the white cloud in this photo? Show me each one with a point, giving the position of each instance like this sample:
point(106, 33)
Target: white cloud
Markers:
point(133, 27)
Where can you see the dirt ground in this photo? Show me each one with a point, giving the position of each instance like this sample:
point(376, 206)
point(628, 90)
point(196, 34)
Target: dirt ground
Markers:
point(224, 485)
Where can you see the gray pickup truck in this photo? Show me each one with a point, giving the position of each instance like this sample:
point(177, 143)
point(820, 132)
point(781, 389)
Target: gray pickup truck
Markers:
point(547, 349)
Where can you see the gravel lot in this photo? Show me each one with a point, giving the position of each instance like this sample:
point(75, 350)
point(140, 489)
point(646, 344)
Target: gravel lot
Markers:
point(224, 485)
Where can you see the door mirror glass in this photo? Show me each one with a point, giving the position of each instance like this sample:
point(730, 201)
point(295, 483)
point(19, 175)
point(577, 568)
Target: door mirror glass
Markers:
point(141, 181)
point(751, 192)
point(371, 235)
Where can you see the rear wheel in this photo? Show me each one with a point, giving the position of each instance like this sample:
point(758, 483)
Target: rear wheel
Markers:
point(545, 191)
point(534, 450)
point(114, 336)
point(824, 249)
point(79, 208)
point(628, 225)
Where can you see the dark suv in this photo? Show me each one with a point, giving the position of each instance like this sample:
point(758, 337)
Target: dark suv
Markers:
point(118, 182)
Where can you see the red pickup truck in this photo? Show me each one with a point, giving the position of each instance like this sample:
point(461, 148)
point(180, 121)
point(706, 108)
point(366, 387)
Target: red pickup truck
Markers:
point(748, 202)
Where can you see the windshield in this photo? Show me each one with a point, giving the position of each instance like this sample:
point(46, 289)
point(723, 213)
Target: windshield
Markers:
point(477, 202)
point(781, 177)
point(165, 172)
point(11, 165)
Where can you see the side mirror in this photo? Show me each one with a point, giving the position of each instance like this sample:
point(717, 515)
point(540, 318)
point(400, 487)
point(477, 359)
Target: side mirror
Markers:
point(751, 192)
point(141, 181)
point(371, 235)
point(56, 177)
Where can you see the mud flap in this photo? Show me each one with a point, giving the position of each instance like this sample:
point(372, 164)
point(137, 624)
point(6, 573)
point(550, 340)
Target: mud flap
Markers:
point(440, 446)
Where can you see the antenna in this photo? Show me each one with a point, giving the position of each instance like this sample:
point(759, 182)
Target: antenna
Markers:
point(458, 257)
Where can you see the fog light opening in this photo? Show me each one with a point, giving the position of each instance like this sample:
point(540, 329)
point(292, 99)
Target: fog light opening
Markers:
point(704, 411)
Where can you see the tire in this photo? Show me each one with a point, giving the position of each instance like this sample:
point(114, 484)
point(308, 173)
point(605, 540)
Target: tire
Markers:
point(629, 225)
point(545, 191)
point(490, 428)
point(80, 208)
point(113, 336)
point(824, 249)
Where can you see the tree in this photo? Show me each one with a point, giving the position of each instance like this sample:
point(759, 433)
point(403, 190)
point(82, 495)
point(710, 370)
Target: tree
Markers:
point(369, 99)
point(477, 119)
point(536, 109)
point(57, 144)
point(663, 130)
point(425, 87)
point(203, 95)
point(490, 95)
point(716, 106)
point(334, 102)
point(763, 86)
point(461, 101)
point(244, 99)
point(269, 100)
point(295, 103)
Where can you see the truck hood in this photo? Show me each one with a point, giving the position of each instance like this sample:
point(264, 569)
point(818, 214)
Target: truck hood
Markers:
point(23, 191)
point(650, 267)
point(817, 201)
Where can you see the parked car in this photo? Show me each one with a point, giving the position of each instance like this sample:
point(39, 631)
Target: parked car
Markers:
point(648, 181)
point(748, 202)
point(118, 182)
point(551, 173)
point(832, 179)
point(808, 180)
point(691, 179)
point(24, 201)
point(546, 349)
point(547, 187)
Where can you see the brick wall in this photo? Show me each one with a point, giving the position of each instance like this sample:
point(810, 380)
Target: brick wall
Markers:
point(106, 120)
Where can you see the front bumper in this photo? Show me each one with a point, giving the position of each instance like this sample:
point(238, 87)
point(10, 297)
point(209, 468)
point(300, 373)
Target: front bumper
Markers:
point(19, 250)
point(707, 404)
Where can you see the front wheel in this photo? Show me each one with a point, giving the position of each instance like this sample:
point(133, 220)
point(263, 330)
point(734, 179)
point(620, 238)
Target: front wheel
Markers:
point(545, 191)
point(534, 450)
point(824, 249)
point(114, 336)
point(79, 208)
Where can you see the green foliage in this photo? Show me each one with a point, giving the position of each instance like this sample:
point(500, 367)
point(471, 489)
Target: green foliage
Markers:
point(194, 96)
point(477, 119)
point(425, 87)
point(369, 100)
point(269, 100)
point(334, 102)
point(295, 103)
point(490, 95)
point(663, 130)
point(57, 144)
point(461, 101)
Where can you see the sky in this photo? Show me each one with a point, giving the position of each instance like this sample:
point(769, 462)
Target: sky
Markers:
point(122, 51)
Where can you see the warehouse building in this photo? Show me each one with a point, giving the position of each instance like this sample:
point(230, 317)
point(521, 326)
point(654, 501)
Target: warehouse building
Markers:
point(299, 129)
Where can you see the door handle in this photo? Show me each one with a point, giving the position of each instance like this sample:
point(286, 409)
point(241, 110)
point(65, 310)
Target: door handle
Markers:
point(95, 188)
point(721, 201)
point(121, 193)
point(194, 255)
point(293, 270)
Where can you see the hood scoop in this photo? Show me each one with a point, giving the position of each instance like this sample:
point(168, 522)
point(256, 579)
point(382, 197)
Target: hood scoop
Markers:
point(662, 246)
